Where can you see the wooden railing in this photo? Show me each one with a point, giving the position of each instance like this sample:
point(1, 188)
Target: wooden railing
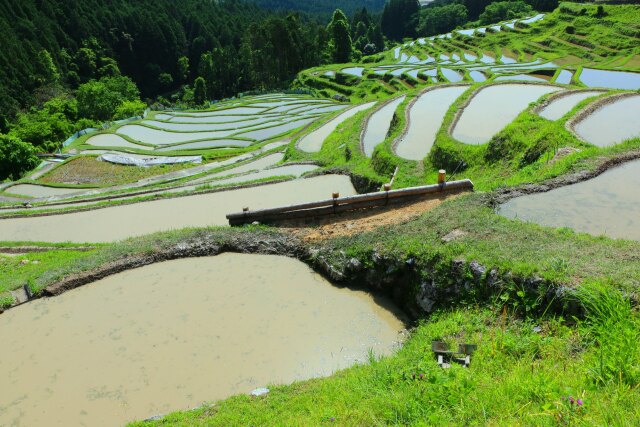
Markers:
point(343, 204)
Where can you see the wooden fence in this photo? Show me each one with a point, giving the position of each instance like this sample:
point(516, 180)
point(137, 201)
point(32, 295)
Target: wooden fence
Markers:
point(343, 204)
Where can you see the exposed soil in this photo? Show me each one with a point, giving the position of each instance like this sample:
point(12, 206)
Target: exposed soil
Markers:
point(355, 222)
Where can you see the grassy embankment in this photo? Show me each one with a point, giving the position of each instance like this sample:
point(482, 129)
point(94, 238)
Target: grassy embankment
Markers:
point(521, 375)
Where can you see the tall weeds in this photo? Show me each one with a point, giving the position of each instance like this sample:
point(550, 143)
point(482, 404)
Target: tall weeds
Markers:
point(613, 328)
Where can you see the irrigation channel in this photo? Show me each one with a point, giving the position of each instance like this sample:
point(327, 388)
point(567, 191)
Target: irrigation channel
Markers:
point(173, 335)
point(608, 204)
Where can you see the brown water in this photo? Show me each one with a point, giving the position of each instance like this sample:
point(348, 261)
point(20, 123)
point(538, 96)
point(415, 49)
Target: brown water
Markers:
point(606, 205)
point(173, 335)
point(120, 222)
point(425, 119)
point(493, 108)
point(612, 123)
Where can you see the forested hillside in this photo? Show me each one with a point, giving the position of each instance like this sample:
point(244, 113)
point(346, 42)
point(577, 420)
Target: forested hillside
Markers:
point(322, 8)
point(159, 44)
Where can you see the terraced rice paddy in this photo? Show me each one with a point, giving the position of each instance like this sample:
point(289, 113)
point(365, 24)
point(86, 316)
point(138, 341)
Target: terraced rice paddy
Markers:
point(612, 123)
point(232, 124)
point(114, 141)
point(564, 77)
point(561, 105)
point(610, 79)
point(606, 205)
point(120, 222)
point(494, 107)
point(354, 71)
point(425, 119)
point(313, 141)
point(30, 190)
point(378, 126)
point(117, 352)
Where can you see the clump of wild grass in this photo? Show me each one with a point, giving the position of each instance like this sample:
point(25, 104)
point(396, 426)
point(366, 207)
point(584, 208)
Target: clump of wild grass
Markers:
point(613, 327)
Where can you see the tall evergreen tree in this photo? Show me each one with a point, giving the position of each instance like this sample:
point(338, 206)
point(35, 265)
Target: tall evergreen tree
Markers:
point(340, 44)
point(199, 91)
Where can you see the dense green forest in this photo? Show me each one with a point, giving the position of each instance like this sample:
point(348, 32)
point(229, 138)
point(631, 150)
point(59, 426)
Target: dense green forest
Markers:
point(66, 65)
point(322, 8)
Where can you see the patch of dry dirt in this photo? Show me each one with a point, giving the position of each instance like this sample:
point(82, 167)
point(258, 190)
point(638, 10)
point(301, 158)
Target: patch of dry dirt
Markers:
point(348, 223)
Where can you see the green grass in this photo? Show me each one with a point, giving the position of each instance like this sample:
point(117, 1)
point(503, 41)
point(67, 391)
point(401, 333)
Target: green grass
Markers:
point(31, 268)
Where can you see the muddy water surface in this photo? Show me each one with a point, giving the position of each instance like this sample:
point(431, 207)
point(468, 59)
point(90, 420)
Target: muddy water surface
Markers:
point(31, 190)
point(120, 222)
point(608, 204)
point(613, 123)
point(562, 105)
point(425, 119)
point(173, 335)
point(494, 107)
point(312, 142)
point(378, 126)
point(111, 140)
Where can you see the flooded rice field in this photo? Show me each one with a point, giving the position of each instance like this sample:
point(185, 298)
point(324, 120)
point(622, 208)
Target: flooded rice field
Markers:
point(285, 170)
point(564, 77)
point(610, 79)
point(354, 71)
point(521, 77)
point(494, 107)
point(477, 76)
point(111, 140)
point(199, 127)
point(451, 75)
point(174, 118)
point(273, 131)
point(160, 137)
point(32, 190)
point(561, 105)
point(200, 145)
point(611, 123)
point(120, 222)
point(425, 119)
point(173, 335)
point(608, 204)
point(312, 142)
point(378, 126)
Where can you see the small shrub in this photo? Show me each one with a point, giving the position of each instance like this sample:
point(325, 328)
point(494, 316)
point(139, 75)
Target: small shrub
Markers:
point(448, 157)
point(382, 161)
point(570, 29)
point(16, 157)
